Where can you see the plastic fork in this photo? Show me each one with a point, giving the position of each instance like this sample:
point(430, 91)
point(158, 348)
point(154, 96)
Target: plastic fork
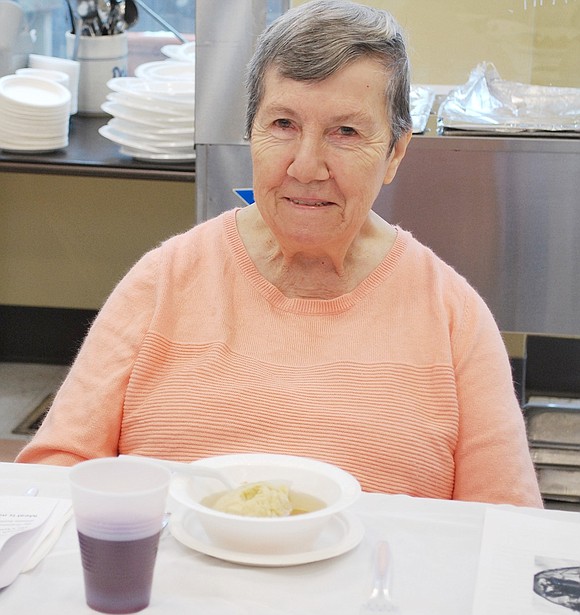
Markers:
point(380, 600)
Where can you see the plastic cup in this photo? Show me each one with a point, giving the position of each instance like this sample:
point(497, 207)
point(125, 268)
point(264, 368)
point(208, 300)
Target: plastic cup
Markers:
point(118, 506)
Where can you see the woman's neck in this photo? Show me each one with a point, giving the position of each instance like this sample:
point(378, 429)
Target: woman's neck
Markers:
point(314, 274)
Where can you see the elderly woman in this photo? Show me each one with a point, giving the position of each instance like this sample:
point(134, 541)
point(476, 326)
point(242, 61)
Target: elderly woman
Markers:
point(306, 324)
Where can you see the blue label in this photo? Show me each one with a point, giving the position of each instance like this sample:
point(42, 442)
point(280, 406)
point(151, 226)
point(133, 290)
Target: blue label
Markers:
point(246, 194)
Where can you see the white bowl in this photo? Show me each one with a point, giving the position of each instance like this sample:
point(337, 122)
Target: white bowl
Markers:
point(292, 534)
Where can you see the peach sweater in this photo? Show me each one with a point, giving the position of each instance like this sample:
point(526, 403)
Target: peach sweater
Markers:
point(404, 382)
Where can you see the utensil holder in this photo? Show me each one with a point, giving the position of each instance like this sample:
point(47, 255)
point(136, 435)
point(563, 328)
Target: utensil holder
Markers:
point(101, 58)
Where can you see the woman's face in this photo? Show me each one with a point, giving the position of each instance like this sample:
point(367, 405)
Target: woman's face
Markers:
point(320, 153)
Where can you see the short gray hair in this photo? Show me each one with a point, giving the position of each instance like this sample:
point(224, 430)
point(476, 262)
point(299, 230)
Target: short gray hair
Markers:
point(316, 39)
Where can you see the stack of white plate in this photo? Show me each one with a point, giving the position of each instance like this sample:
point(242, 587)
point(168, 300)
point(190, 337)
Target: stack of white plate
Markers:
point(34, 114)
point(153, 112)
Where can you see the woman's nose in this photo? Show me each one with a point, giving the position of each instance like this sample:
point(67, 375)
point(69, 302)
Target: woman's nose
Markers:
point(308, 163)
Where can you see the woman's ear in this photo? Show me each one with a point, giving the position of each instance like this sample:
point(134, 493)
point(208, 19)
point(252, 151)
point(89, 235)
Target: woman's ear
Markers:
point(396, 156)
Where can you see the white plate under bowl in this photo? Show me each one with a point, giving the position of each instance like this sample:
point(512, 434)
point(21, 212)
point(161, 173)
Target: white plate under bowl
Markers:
point(343, 533)
point(167, 70)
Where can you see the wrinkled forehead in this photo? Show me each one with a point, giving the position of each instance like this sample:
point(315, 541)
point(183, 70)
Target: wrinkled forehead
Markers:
point(369, 79)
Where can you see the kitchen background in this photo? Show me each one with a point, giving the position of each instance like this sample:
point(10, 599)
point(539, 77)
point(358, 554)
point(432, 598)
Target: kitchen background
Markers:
point(64, 242)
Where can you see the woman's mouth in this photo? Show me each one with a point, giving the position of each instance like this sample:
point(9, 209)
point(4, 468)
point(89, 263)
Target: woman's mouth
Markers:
point(309, 202)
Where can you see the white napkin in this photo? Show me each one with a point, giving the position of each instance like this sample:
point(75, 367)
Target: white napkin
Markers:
point(29, 527)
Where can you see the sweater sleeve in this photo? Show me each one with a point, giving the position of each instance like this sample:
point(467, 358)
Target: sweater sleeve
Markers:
point(493, 462)
point(85, 418)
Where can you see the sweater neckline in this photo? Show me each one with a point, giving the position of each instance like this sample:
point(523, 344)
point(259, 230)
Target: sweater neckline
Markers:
point(308, 306)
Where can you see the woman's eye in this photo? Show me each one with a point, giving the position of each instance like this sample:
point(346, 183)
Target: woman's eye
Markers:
point(347, 131)
point(282, 123)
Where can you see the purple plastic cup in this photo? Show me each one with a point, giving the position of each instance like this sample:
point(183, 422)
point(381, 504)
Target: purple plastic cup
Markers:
point(119, 506)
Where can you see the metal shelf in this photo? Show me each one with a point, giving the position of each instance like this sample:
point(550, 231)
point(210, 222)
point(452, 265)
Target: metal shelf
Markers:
point(89, 154)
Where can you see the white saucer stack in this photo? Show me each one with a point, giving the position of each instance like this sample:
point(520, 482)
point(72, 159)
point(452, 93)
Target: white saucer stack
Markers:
point(34, 114)
point(153, 112)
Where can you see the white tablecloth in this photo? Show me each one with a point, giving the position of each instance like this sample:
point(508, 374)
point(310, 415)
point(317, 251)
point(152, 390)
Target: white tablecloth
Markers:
point(435, 546)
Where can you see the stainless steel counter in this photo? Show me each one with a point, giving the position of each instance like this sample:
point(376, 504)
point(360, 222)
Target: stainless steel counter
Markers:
point(505, 212)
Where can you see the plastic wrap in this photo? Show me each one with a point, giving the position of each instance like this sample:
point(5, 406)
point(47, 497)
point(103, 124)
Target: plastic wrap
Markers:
point(486, 103)
point(421, 99)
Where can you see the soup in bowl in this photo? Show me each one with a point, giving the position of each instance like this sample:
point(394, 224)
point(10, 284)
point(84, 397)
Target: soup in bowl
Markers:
point(279, 504)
